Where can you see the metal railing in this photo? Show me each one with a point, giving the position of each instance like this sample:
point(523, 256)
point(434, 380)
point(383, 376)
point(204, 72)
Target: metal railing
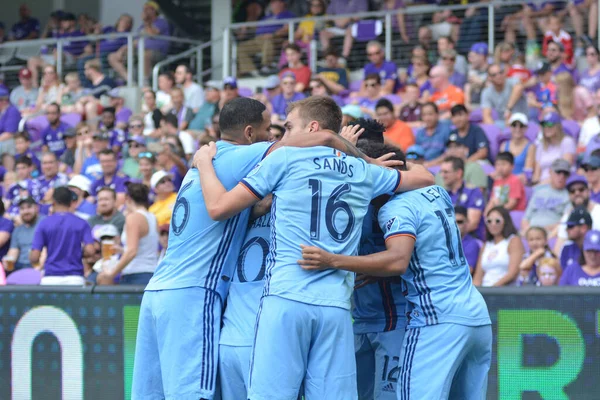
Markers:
point(25, 49)
point(494, 8)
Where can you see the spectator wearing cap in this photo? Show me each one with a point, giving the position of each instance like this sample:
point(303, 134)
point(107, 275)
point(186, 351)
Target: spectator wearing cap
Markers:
point(397, 132)
point(52, 136)
point(22, 236)
point(168, 161)
point(333, 75)
point(183, 114)
point(23, 148)
point(118, 137)
point(293, 53)
point(386, 70)
point(477, 73)
point(122, 112)
point(106, 232)
point(287, 96)
point(162, 185)
point(588, 273)
point(193, 94)
point(591, 166)
point(350, 113)
point(81, 187)
point(544, 92)
point(471, 135)
point(579, 196)
point(9, 122)
point(27, 28)
point(410, 109)
point(169, 128)
point(107, 212)
point(434, 134)
point(549, 201)
point(555, 144)
point(452, 173)
point(67, 159)
point(154, 49)
point(110, 177)
point(578, 224)
point(131, 166)
point(25, 95)
point(50, 177)
point(520, 147)
point(415, 154)
point(24, 186)
point(140, 241)
point(66, 238)
point(448, 60)
point(508, 191)
point(230, 91)
point(212, 96)
point(470, 245)
point(505, 96)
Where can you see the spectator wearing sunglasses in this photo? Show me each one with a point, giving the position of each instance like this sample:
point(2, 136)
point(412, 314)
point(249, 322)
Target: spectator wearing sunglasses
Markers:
point(578, 224)
point(503, 251)
point(579, 196)
point(503, 95)
point(378, 65)
point(67, 159)
point(555, 144)
point(520, 147)
point(470, 245)
point(549, 202)
point(448, 58)
point(591, 166)
point(317, 87)
point(162, 185)
point(131, 166)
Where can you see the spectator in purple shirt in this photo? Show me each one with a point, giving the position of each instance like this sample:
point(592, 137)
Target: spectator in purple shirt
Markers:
point(9, 122)
point(72, 49)
point(23, 148)
point(470, 245)
point(50, 178)
point(118, 137)
point(591, 166)
point(24, 186)
point(387, 70)
point(28, 28)
point(588, 273)
point(106, 46)
point(287, 96)
point(267, 41)
point(110, 178)
point(52, 136)
point(457, 79)
point(6, 228)
point(154, 49)
point(64, 236)
point(556, 58)
point(578, 224)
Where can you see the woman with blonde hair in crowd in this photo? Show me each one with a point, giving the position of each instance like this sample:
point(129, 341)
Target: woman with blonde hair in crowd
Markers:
point(554, 144)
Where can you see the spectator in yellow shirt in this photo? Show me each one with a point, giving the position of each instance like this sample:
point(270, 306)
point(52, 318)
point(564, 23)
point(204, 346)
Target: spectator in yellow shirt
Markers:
point(162, 184)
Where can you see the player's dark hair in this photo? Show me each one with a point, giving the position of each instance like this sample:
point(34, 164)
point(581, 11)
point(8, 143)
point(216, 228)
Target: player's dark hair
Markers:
point(24, 160)
point(373, 129)
point(508, 229)
point(384, 103)
point(138, 192)
point(63, 196)
point(238, 113)
point(460, 210)
point(376, 150)
point(506, 156)
point(457, 163)
point(322, 109)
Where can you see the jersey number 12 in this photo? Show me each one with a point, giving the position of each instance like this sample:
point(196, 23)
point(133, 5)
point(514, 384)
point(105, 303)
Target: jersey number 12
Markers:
point(333, 206)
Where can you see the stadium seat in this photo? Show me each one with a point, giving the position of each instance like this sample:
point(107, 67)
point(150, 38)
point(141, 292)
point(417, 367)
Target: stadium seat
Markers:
point(517, 217)
point(355, 86)
point(435, 169)
point(532, 131)
point(528, 193)
point(571, 128)
point(487, 168)
point(26, 276)
point(476, 116)
point(394, 98)
point(493, 133)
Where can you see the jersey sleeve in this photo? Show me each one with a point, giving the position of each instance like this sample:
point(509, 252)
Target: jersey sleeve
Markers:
point(263, 179)
point(245, 158)
point(87, 234)
point(385, 180)
point(398, 218)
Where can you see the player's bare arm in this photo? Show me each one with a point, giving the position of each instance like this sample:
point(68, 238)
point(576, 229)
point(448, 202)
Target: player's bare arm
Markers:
point(415, 177)
point(391, 262)
point(220, 203)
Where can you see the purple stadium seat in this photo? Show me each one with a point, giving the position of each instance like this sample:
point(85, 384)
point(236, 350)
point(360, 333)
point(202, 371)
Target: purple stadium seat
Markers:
point(487, 168)
point(367, 29)
point(476, 116)
point(528, 193)
point(71, 119)
point(517, 216)
point(552, 242)
point(394, 98)
point(26, 276)
point(245, 92)
point(525, 244)
point(355, 86)
point(435, 169)
point(532, 131)
point(493, 133)
point(571, 128)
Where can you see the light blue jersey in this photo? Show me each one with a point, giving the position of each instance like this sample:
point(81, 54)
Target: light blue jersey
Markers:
point(319, 198)
point(380, 306)
point(247, 285)
point(202, 252)
point(439, 284)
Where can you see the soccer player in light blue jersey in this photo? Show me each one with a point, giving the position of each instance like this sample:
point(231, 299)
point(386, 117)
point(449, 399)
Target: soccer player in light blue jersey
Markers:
point(180, 315)
point(447, 348)
point(303, 329)
point(378, 306)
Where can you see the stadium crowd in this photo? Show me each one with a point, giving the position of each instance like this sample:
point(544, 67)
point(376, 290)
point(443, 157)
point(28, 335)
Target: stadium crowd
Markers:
point(511, 133)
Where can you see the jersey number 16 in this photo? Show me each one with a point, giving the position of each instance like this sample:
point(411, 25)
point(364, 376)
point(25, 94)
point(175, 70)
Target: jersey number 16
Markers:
point(333, 206)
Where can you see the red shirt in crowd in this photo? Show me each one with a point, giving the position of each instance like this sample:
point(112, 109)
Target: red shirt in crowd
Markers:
point(563, 38)
point(302, 74)
point(507, 188)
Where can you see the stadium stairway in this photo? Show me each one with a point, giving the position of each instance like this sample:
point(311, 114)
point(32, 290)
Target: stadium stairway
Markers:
point(191, 17)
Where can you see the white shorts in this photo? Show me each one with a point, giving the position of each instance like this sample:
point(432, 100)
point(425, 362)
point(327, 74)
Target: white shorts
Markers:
point(74, 280)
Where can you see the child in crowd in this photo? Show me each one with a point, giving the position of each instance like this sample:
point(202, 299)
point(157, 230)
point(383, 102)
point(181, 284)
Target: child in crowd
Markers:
point(508, 190)
point(549, 272)
point(537, 240)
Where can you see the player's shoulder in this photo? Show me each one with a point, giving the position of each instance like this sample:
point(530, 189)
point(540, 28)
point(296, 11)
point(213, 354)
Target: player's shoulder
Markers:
point(230, 151)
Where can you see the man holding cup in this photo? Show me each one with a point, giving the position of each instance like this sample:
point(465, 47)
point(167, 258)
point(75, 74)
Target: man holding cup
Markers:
point(22, 237)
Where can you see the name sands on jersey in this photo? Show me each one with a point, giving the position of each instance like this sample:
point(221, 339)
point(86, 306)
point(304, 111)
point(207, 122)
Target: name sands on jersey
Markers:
point(337, 164)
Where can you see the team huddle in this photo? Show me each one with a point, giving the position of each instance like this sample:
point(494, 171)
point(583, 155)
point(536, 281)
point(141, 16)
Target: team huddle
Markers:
point(275, 248)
